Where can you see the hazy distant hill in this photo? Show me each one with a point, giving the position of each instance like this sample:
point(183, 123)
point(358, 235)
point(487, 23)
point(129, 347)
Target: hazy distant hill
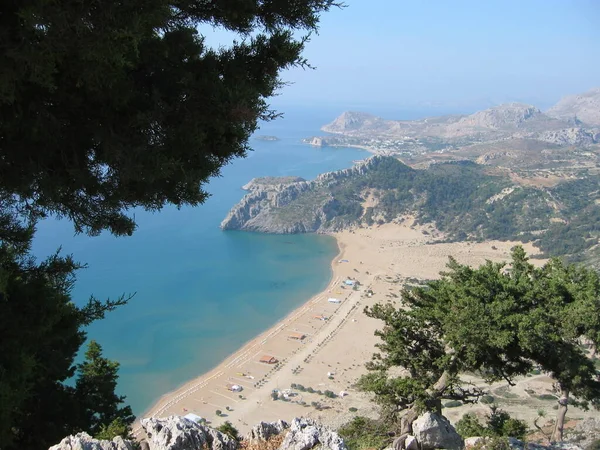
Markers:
point(499, 121)
point(583, 107)
point(515, 136)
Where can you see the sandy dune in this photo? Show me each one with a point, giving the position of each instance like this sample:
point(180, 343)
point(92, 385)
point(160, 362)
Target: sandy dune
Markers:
point(380, 258)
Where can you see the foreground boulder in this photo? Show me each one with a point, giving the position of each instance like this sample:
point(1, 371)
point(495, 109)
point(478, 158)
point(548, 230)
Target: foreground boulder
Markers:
point(83, 441)
point(305, 434)
point(177, 433)
point(435, 431)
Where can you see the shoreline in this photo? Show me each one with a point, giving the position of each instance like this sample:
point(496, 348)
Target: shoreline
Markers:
point(332, 353)
point(169, 399)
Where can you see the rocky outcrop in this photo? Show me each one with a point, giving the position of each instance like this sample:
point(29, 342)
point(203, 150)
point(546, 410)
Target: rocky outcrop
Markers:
point(83, 441)
point(264, 431)
point(482, 443)
point(296, 207)
point(585, 432)
point(435, 431)
point(581, 108)
point(350, 121)
point(305, 434)
point(567, 136)
point(177, 433)
point(273, 182)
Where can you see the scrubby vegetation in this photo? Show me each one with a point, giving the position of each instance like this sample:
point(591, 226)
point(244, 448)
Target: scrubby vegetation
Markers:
point(464, 201)
point(362, 433)
point(495, 320)
point(229, 430)
point(498, 424)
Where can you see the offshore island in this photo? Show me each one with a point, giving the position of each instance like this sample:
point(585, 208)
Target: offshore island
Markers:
point(469, 186)
point(263, 137)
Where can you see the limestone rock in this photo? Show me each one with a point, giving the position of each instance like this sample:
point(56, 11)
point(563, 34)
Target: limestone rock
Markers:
point(475, 441)
point(293, 207)
point(434, 431)
point(177, 433)
point(516, 444)
point(585, 432)
point(411, 443)
point(83, 441)
point(305, 434)
point(406, 442)
point(263, 431)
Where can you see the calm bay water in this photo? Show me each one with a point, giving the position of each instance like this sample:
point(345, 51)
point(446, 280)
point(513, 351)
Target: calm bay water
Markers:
point(201, 292)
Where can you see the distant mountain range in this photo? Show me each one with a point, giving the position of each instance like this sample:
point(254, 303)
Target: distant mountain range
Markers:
point(584, 108)
point(514, 135)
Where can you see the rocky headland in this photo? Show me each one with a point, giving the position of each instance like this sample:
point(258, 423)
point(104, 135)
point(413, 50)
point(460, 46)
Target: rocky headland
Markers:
point(461, 199)
point(285, 205)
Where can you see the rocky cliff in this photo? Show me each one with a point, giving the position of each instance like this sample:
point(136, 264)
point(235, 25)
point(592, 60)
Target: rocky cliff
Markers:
point(461, 199)
point(581, 107)
point(293, 207)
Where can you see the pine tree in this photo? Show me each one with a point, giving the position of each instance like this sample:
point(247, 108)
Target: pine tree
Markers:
point(494, 321)
point(99, 405)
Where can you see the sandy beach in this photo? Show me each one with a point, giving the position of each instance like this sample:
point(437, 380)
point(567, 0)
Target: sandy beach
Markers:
point(338, 337)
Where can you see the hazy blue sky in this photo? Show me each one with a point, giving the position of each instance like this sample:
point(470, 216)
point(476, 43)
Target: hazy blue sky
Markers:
point(451, 52)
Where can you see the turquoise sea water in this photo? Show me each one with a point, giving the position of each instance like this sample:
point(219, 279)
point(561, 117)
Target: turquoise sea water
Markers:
point(202, 292)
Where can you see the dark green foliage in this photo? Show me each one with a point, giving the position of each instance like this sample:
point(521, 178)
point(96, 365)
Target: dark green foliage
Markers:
point(108, 107)
point(453, 404)
point(362, 433)
point(105, 107)
point(501, 424)
point(469, 426)
point(487, 399)
point(498, 424)
point(41, 331)
point(329, 394)
point(460, 198)
point(96, 383)
point(492, 320)
point(229, 430)
point(547, 397)
point(118, 427)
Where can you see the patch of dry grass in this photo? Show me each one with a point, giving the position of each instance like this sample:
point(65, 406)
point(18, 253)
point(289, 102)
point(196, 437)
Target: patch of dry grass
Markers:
point(271, 444)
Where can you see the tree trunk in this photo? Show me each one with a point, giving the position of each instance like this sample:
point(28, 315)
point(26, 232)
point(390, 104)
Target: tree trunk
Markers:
point(436, 403)
point(563, 402)
point(407, 420)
